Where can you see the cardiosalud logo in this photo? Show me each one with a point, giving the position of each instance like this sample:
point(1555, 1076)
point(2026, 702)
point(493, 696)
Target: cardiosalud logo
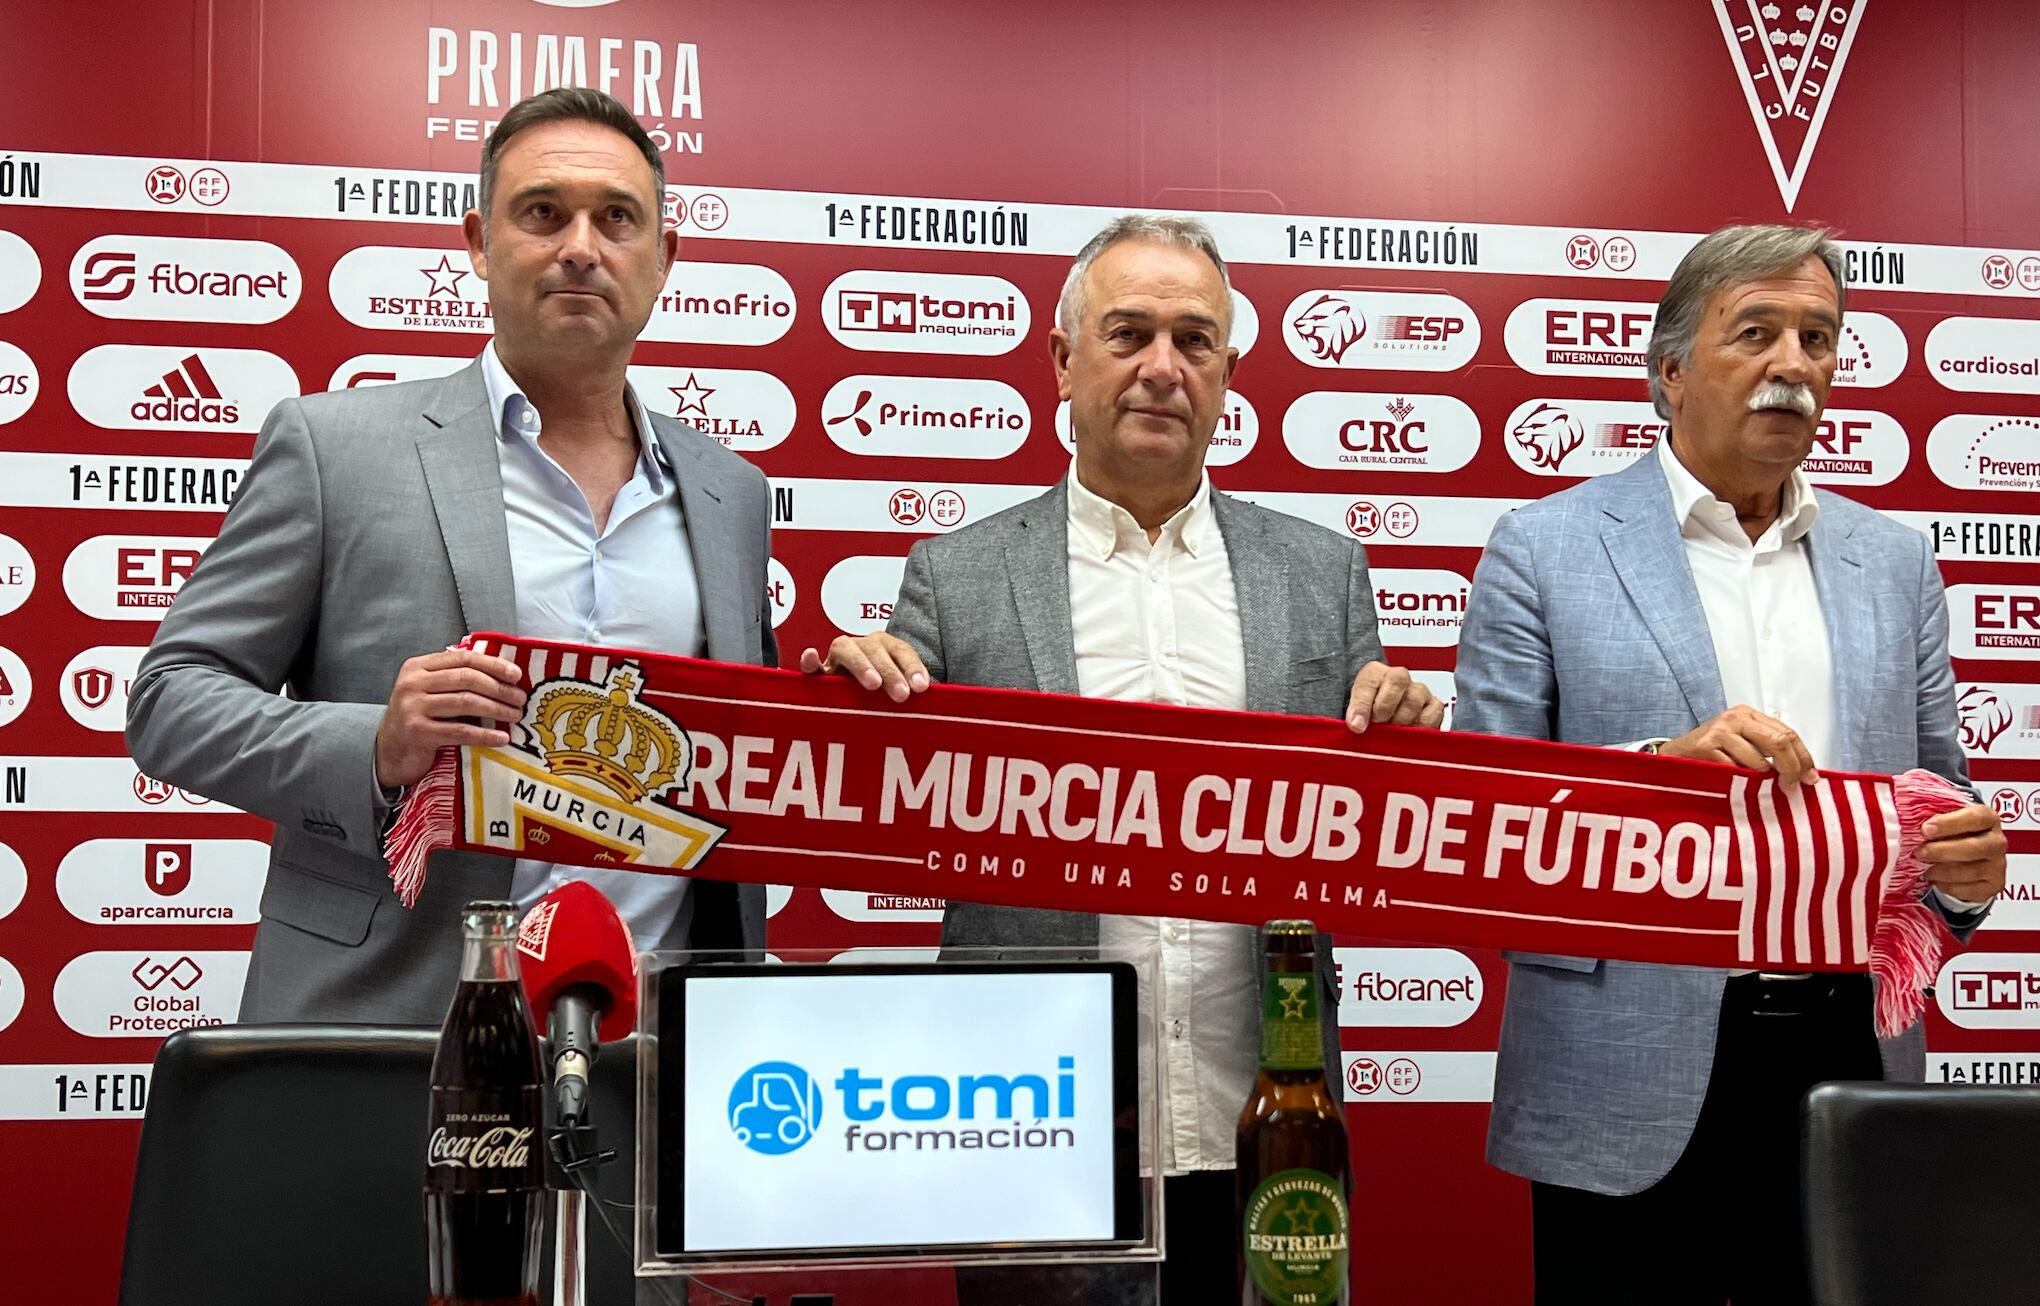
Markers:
point(179, 388)
point(775, 1108)
point(179, 279)
point(926, 313)
point(1988, 355)
point(1789, 57)
point(925, 417)
point(1401, 331)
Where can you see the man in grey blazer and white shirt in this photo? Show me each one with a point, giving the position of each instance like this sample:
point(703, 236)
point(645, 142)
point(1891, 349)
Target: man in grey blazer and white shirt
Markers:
point(1134, 579)
point(1707, 602)
point(529, 493)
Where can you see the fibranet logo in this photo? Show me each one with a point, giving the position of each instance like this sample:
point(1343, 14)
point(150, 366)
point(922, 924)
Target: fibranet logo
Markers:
point(388, 369)
point(1870, 352)
point(1580, 437)
point(20, 272)
point(13, 881)
point(779, 591)
point(1857, 447)
point(1580, 337)
point(777, 1107)
point(1994, 621)
point(94, 686)
point(854, 905)
point(149, 994)
point(1237, 432)
point(180, 279)
point(399, 288)
point(1400, 331)
point(1429, 987)
point(1971, 451)
point(742, 410)
point(164, 881)
point(858, 592)
point(130, 577)
point(722, 304)
point(1419, 607)
point(473, 74)
point(925, 417)
point(20, 383)
point(926, 313)
point(17, 574)
point(1339, 429)
point(16, 686)
point(178, 388)
point(1991, 355)
point(1990, 990)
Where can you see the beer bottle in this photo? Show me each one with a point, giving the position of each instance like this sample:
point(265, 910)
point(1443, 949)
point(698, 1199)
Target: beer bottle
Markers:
point(484, 1168)
point(1292, 1164)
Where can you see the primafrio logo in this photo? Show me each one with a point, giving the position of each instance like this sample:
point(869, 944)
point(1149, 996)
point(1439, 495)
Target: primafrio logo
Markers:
point(1420, 607)
point(163, 882)
point(94, 687)
point(925, 417)
point(926, 313)
point(721, 304)
point(1347, 430)
point(1400, 331)
point(399, 288)
point(1999, 719)
point(775, 1107)
point(1870, 352)
point(1237, 432)
point(1990, 990)
point(16, 685)
point(365, 370)
point(179, 279)
point(1970, 451)
point(1580, 337)
point(149, 994)
point(1428, 987)
point(177, 388)
point(20, 272)
point(1994, 621)
point(1580, 437)
point(20, 383)
point(1789, 56)
point(1857, 447)
point(743, 410)
point(858, 592)
point(1988, 355)
point(130, 577)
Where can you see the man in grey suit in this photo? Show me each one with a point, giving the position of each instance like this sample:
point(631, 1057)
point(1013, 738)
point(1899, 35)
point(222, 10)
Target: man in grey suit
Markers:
point(1134, 579)
point(529, 493)
point(1706, 602)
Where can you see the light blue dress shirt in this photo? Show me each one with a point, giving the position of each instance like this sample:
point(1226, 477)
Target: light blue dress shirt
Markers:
point(630, 584)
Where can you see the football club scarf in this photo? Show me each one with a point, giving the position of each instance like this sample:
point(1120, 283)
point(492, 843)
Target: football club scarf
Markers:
point(676, 766)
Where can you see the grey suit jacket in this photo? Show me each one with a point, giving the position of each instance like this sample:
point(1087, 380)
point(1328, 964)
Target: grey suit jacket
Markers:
point(1584, 625)
point(368, 530)
point(990, 605)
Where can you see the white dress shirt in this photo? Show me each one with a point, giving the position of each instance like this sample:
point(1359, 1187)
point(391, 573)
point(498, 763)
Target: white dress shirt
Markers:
point(1159, 623)
point(628, 585)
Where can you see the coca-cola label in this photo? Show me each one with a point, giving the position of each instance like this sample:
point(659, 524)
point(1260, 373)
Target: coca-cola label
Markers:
point(485, 1140)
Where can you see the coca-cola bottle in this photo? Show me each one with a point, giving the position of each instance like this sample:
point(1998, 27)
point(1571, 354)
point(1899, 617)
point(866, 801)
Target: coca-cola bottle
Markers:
point(484, 1166)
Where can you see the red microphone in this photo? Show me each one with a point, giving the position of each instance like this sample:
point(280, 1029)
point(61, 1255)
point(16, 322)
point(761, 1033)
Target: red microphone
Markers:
point(580, 967)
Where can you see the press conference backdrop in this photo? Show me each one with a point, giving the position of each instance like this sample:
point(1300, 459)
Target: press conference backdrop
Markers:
point(1449, 223)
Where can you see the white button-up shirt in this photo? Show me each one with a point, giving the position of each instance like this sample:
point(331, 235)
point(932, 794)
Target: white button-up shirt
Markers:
point(1159, 623)
point(628, 585)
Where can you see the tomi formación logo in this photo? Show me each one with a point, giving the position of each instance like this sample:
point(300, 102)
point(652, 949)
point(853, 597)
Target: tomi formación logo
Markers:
point(1789, 58)
point(777, 1107)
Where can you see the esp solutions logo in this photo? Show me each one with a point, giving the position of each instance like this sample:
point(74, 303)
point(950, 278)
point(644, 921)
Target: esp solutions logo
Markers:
point(775, 1107)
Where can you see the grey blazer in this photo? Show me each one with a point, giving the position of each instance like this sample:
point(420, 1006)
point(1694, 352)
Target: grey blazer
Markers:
point(990, 605)
point(1584, 625)
point(368, 530)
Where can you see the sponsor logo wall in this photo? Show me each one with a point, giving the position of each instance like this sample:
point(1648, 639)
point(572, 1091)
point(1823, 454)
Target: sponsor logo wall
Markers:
point(870, 326)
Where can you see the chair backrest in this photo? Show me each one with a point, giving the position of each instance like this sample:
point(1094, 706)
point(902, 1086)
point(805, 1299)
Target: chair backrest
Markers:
point(1922, 1194)
point(285, 1164)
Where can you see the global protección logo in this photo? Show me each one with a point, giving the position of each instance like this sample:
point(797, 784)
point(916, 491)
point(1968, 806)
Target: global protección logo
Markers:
point(775, 1107)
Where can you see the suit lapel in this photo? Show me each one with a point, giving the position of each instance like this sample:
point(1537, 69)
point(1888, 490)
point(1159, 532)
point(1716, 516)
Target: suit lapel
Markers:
point(1837, 568)
point(1038, 573)
point(457, 450)
point(1261, 591)
point(1649, 557)
point(710, 534)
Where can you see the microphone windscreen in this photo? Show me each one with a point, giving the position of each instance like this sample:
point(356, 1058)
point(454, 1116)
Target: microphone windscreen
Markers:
point(575, 936)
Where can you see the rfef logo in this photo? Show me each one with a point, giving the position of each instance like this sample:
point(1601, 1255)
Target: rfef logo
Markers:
point(926, 312)
point(180, 279)
point(1994, 621)
point(775, 1107)
point(173, 388)
point(1340, 429)
point(130, 577)
point(1970, 451)
point(1580, 437)
point(1395, 330)
point(1580, 337)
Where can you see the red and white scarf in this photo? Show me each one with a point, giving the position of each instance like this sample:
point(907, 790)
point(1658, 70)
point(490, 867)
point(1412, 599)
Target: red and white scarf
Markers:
point(677, 766)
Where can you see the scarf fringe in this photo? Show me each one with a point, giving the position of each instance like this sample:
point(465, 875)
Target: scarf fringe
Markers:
point(1912, 936)
point(423, 826)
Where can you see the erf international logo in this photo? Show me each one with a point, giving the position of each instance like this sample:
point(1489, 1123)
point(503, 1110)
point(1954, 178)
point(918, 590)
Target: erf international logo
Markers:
point(1973, 452)
point(1857, 447)
point(1580, 437)
point(1994, 621)
point(1580, 337)
point(775, 1107)
point(130, 577)
point(1397, 330)
point(179, 279)
point(178, 388)
point(926, 313)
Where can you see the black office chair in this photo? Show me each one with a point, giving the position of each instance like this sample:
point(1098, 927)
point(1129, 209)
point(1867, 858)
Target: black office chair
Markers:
point(283, 1165)
point(1922, 1194)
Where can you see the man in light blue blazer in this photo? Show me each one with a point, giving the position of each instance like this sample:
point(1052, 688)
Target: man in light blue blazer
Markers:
point(1706, 602)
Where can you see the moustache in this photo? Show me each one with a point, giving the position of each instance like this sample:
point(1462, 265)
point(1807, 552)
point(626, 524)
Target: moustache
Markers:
point(1796, 395)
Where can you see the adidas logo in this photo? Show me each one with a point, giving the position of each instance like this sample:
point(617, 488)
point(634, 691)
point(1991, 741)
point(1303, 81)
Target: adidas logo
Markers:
point(187, 393)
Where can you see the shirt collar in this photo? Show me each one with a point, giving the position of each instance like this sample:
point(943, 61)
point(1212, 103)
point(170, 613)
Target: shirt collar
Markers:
point(1103, 525)
point(515, 415)
point(1695, 506)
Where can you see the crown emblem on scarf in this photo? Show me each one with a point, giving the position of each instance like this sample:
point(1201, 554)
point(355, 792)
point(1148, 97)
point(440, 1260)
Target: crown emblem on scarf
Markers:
point(607, 735)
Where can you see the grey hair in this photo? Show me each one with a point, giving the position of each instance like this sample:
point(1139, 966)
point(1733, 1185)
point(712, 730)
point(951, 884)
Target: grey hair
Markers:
point(1731, 256)
point(1162, 229)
